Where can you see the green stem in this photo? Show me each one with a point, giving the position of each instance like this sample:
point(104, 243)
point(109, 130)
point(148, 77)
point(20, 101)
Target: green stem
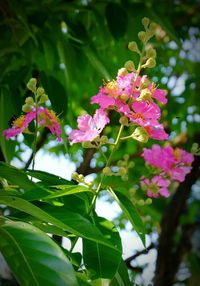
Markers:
point(107, 165)
point(35, 132)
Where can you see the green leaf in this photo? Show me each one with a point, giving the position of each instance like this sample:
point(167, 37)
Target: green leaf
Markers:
point(31, 190)
point(45, 177)
point(68, 190)
point(100, 260)
point(117, 19)
point(34, 258)
point(121, 277)
point(131, 212)
point(60, 217)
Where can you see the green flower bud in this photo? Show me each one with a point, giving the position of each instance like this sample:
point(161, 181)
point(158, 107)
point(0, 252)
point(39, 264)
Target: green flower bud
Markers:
point(145, 22)
point(29, 100)
point(75, 176)
point(40, 91)
point(122, 71)
point(123, 120)
point(44, 97)
point(141, 203)
point(107, 171)
point(122, 171)
point(132, 191)
point(132, 46)
point(140, 134)
point(142, 36)
point(81, 178)
point(26, 108)
point(150, 63)
point(129, 65)
point(151, 53)
point(126, 157)
point(124, 97)
point(31, 85)
point(152, 27)
point(148, 201)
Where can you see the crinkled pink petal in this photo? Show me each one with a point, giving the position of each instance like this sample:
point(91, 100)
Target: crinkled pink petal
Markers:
point(164, 192)
point(160, 95)
point(103, 100)
point(179, 173)
point(122, 107)
point(125, 83)
point(186, 157)
point(150, 110)
point(156, 131)
point(90, 127)
point(14, 131)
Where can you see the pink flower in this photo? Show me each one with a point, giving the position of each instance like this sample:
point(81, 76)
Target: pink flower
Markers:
point(155, 130)
point(160, 95)
point(144, 112)
point(19, 125)
point(89, 127)
point(46, 118)
point(156, 186)
point(125, 83)
point(176, 163)
point(102, 99)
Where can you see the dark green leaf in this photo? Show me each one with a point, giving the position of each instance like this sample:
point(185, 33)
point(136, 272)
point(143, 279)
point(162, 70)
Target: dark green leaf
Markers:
point(33, 257)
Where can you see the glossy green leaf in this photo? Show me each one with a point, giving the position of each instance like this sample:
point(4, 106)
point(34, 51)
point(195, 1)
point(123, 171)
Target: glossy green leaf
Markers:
point(68, 190)
point(46, 177)
point(100, 260)
point(60, 217)
point(131, 213)
point(34, 258)
point(121, 277)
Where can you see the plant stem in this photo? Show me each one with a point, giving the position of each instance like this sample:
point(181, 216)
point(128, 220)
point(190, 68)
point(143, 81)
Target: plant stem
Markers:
point(35, 132)
point(116, 144)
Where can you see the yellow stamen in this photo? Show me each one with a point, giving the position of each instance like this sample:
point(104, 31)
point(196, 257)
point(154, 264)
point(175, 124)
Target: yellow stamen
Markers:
point(19, 121)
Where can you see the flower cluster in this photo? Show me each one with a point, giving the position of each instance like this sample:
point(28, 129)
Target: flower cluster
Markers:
point(35, 111)
point(46, 118)
point(133, 97)
point(170, 164)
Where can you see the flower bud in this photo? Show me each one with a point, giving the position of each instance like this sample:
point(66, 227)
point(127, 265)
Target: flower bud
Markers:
point(126, 157)
point(107, 171)
point(81, 178)
point(29, 100)
point(124, 97)
point(26, 108)
point(132, 46)
point(40, 91)
point(140, 134)
point(44, 97)
point(122, 171)
point(132, 191)
point(31, 85)
point(145, 22)
point(150, 63)
point(141, 203)
point(129, 65)
point(148, 201)
point(131, 165)
point(75, 176)
point(151, 53)
point(152, 27)
point(123, 120)
point(142, 36)
point(122, 71)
